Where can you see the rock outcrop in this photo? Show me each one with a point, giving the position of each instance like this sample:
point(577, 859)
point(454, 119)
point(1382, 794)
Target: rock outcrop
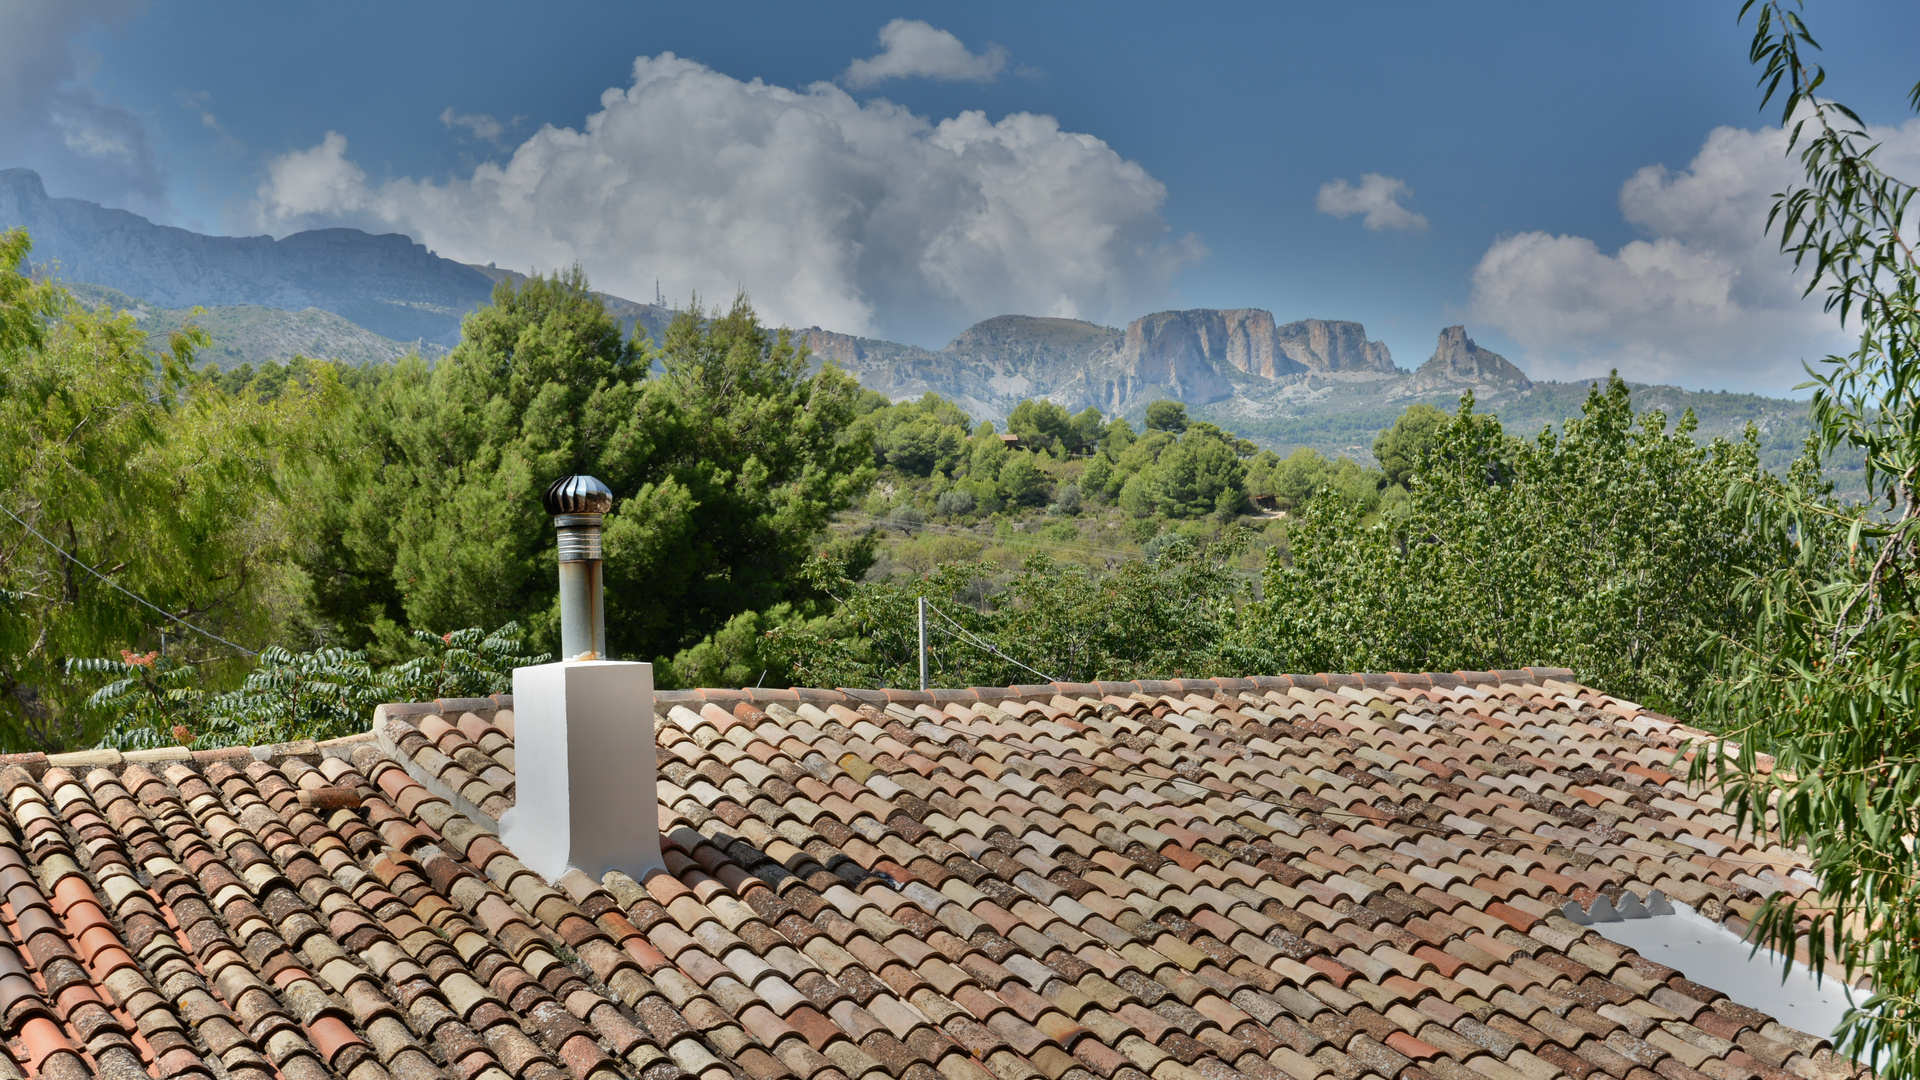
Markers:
point(1199, 356)
point(986, 370)
point(1247, 340)
point(1329, 345)
point(1180, 354)
point(1459, 364)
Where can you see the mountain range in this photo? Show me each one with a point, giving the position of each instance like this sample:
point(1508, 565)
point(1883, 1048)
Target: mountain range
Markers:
point(351, 295)
point(1236, 360)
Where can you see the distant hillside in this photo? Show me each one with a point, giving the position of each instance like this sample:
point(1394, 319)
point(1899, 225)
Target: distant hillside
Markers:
point(1345, 418)
point(251, 334)
point(1237, 365)
point(387, 284)
point(1315, 383)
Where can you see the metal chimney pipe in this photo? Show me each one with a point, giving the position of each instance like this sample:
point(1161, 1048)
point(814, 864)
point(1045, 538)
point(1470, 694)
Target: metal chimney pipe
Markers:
point(577, 504)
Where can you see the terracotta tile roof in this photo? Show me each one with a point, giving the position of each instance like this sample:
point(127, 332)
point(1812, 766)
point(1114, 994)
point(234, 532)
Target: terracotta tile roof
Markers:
point(1308, 877)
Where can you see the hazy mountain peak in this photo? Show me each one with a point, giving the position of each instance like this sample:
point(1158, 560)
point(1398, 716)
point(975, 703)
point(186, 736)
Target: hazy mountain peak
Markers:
point(386, 283)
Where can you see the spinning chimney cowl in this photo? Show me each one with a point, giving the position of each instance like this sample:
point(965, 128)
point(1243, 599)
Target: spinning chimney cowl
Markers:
point(577, 495)
point(577, 504)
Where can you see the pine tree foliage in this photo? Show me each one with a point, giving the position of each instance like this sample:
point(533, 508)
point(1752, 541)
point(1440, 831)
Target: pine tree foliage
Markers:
point(726, 455)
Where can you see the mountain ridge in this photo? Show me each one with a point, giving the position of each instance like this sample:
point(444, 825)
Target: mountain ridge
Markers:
point(366, 298)
point(385, 283)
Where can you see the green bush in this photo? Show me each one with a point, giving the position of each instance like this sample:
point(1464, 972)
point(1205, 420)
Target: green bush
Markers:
point(1022, 480)
point(1170, 416)
point(1174, 617)
point(1041, 424)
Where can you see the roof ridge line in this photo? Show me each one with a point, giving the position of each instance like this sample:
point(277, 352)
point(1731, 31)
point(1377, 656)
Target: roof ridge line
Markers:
point(844, 695)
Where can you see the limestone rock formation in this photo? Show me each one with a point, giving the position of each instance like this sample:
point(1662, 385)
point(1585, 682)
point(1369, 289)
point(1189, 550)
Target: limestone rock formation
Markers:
point(1180, 354)
point(1199, 356)
point(986, 370)
point(1458, 364)
point(1332, 345)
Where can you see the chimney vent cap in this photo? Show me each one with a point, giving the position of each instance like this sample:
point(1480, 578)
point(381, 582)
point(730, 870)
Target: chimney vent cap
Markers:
point(579, 494)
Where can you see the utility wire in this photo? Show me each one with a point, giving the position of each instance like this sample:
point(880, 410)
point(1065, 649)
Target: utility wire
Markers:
point(116, 585)
point(988, 646)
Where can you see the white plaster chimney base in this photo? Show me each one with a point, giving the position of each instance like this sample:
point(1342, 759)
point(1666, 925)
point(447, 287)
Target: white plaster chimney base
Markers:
point(584, 773)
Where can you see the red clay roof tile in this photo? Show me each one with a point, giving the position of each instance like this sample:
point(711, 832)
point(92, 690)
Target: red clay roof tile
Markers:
point(1236, 879)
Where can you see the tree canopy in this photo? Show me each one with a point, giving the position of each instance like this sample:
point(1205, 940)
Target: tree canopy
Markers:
point(122, 477)
point(1164, 415)
point(727, 464)
point(1825, 681)
point(1473, 570)
point(1401, 448)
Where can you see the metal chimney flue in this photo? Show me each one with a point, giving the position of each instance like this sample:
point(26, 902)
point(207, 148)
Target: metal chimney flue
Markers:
point(584, 766)
point(578, 503)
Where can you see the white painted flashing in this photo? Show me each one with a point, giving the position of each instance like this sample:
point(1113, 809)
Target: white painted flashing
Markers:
point(586, 793)
point(1672, 933)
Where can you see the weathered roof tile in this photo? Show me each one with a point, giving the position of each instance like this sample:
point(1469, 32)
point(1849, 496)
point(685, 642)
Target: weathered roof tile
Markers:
point(1271, 878)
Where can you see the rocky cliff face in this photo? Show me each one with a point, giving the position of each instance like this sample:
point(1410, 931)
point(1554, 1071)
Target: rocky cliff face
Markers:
point(1458, 364)
point(1180, 354)
point(989, 368)
point(1207, 355)
point(1326, 345)
point(388, 284)
point(1247, 340)
point(1201, 356)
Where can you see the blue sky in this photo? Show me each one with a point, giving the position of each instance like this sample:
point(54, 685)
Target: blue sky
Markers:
point(1097, 160)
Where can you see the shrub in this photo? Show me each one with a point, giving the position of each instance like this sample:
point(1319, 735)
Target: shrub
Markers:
point(956, 503)
point(324, 694)
point(1167, 416)
point(1066, 501)
point(1022, 480)
point(1060, 531)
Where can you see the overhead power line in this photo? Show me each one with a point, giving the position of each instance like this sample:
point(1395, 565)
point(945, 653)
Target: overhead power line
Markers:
point(988, 646)
point(70, 557)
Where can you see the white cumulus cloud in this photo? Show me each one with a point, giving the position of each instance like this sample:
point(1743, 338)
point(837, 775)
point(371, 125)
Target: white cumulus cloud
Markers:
point(860, 217)
point(910, 48)
point(1705, 299)
point(51, 117)
point(316, 181)
point(1376, 196)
